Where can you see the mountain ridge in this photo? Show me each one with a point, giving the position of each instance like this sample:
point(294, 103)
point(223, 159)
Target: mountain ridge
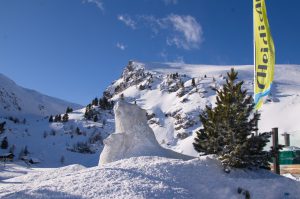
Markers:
point(19, 101)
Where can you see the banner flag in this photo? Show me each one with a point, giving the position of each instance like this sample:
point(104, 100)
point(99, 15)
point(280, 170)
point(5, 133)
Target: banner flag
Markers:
point(264, 53)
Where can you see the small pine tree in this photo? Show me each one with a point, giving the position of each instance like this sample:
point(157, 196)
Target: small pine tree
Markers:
point(78, 132)
point(69, 110)
point(193, 82)
point(65, 117)
point(95, 102)
point(62, 159)
point(2, 129)
point(95, 119)
point(227, 128)
point(26, 152)
point(51, 119)
point(4, 143)
point(57, 118)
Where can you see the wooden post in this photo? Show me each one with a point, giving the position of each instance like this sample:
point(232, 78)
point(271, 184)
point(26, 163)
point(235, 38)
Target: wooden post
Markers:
point(276, 166)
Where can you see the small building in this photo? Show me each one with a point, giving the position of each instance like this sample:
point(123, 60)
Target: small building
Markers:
point(289, 155)
point(7, 157)
point(30, 160)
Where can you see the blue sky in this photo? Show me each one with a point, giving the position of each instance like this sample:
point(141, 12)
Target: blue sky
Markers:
point(73, 49)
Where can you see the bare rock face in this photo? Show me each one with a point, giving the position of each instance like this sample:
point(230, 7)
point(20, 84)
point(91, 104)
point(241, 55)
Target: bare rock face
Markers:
point(133, 137)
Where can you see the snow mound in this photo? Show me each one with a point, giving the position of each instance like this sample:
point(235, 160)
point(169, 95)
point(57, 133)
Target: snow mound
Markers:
point(133, 137)
point(150, 177)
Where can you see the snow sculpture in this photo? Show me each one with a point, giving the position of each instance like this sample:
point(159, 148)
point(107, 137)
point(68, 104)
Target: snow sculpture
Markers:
point(133, 137)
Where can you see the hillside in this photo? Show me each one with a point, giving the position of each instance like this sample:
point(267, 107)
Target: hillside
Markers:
point(22, 102)
point(173, 105)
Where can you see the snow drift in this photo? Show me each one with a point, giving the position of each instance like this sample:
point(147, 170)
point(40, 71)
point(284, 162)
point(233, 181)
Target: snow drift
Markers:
point(149, 177)
point(133, 137)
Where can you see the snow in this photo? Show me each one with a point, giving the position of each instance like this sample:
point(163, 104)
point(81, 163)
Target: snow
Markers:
point(149, 177)
point(290, 148)
point(133, 137)
point(22, 102)
point(170, 111)
point(135, 154)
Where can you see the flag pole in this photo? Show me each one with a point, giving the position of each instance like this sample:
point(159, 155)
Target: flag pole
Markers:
point(254, 62)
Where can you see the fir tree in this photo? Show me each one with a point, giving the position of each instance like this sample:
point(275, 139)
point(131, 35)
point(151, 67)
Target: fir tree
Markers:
point(2, 129)
point(69, 110)
point(65, 117)
point(227, 128)
point(4, 143)
point(95, 119)
point(95, 101)
point(59, 118)
point(26, 152)
point(193, 82)
point(78, 132)
point(51, 119)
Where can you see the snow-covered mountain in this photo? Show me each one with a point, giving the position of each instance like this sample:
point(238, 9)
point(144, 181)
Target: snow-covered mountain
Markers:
point(174, 103)
point(173, 95)
point(22, 102)
point(166, 91)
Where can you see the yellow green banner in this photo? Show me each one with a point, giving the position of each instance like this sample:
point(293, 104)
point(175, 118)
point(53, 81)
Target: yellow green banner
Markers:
point(264, 53)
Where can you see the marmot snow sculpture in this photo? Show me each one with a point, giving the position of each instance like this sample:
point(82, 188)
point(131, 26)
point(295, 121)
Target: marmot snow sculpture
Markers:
point(133, 137)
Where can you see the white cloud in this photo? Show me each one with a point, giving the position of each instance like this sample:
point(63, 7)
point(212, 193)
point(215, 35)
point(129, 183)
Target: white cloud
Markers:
point(163, 54)
point(169, 2)
point(98, 3)
point(188, 32)
point(120, 46)
point(179, 59)
point(126, 19)
point(183, 31)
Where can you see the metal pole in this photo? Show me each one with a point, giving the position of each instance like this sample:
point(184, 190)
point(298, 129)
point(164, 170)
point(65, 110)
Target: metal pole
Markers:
point(286, 139)
point(276, 166)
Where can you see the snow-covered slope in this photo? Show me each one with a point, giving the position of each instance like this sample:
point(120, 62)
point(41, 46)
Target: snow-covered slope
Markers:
point(18, 101)
point(174, 104)
point(77, 141)
point(150, 177)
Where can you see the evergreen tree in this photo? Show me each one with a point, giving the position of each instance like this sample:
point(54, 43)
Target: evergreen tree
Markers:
point(2, 129)
point(65, 117)
point(26, 152)
point(193, 82)
point(95, 101)
point(59, 118)
point(78, 132)
point(51, 119)
point(105, 104)
point(227, 128)
point(88, 112)
point(95, 118)
point(4, 143)
point(69, 110)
